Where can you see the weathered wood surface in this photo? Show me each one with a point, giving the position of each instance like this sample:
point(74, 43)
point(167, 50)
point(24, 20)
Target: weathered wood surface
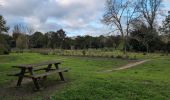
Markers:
point(46, 73)
point(36, 64)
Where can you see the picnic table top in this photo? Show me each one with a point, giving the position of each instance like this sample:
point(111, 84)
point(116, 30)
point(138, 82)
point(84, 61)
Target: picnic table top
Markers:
point(36, 64)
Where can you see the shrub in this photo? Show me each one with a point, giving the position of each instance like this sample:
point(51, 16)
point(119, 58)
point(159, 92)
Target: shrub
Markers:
point(4, 47)
point(112, 56)
point(44, 53)
point(84, 52)
point(126, 57)
point(119, 56)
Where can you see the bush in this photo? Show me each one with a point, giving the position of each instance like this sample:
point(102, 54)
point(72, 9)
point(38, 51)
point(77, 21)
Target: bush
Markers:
point(84, 52)
point(119, 56)
point(168, 47)
point(3, 50)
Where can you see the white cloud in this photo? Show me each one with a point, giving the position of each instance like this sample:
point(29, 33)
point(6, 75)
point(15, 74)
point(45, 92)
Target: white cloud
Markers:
point(72, 15)
point(166, 0)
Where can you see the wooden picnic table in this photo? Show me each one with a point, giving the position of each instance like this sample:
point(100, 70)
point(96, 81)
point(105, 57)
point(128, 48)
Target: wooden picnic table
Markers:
point(28, 70)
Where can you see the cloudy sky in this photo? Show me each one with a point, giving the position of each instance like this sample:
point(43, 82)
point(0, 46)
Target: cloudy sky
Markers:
point(76, 17)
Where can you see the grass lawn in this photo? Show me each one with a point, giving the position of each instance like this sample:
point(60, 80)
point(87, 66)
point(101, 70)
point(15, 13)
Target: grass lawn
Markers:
point(87, 81)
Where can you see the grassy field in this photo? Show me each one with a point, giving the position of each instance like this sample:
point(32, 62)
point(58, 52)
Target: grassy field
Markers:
point(87, 80)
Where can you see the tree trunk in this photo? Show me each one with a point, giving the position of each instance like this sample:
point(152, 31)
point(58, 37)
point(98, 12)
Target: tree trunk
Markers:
point(125, 46)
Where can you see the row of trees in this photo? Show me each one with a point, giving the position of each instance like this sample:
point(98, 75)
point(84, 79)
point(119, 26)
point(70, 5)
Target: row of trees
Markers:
point(59, 40)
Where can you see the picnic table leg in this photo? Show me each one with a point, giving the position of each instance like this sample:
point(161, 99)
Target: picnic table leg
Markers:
point(60, 73)
point(21, 76)
point(36, 83)
point(47, 70)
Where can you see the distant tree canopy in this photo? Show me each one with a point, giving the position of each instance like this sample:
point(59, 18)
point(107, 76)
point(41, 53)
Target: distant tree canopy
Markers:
point(37, 40)
point(142, 40)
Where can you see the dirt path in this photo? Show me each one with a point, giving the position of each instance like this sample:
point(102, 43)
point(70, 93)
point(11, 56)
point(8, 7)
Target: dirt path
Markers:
point(128, 65)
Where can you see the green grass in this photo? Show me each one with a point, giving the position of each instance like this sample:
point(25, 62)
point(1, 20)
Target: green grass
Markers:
point(87, 81)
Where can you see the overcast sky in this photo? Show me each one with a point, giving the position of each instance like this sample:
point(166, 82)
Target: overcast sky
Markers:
point(76, 17)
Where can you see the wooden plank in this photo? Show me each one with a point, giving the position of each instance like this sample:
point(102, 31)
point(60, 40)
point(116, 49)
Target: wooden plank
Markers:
point(36, 64)
point(13, 74)
point(47, 73)
point(16, 73)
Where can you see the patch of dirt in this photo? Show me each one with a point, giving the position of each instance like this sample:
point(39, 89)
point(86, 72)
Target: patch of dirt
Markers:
point(26, 91)
point(132, 64)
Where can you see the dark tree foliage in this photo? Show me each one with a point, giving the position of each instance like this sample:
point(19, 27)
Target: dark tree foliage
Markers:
point(168, 47)
point(3, 27)
point(54, 39)
point(61, 36)
point(4, 39)
point(68, 43)
point(37, 40)
point(80, 43)
point(5, 43)
point(142, 39)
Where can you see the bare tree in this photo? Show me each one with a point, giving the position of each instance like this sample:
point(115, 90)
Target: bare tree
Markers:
point(149, 10)
point(17, 31)
point(119, 14)
point(24, 30)
point(30, 29)
point(20, 28)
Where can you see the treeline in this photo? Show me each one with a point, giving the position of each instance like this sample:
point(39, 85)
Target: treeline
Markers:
point(59, 40)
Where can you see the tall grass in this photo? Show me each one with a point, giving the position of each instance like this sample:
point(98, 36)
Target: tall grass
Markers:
point(110, 53)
